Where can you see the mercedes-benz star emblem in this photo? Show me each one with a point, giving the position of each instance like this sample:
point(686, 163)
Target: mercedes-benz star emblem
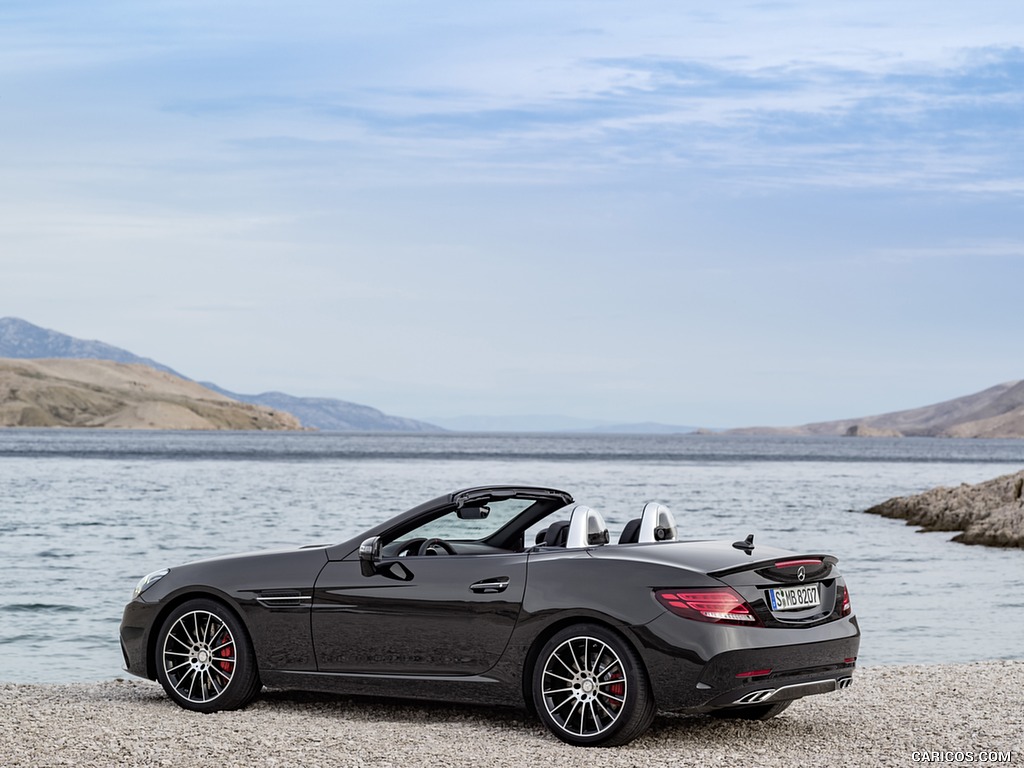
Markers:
point(801, 574)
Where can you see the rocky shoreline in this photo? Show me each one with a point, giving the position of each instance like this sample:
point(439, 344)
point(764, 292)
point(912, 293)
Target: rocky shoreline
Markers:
point(883, 719)
point(989, 513)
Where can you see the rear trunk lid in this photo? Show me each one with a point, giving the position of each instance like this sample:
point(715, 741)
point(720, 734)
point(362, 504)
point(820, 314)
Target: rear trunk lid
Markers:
point(788, 591)
point(783, 588)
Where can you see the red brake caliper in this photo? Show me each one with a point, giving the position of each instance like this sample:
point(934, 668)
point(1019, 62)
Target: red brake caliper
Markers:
point(616, 689)
point(227, 652)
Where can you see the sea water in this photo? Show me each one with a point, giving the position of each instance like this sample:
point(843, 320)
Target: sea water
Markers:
point(84, 514)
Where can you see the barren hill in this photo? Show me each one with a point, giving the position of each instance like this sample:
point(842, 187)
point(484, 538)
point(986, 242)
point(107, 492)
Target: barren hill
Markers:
point(23, 340)
point(995, 412)
point(101, 393)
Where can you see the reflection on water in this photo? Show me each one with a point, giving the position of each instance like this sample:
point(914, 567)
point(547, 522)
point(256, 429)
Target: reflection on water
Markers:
point(84, 514)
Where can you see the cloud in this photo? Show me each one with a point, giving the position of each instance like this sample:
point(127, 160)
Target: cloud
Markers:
point(983, 249)
point(951, 127)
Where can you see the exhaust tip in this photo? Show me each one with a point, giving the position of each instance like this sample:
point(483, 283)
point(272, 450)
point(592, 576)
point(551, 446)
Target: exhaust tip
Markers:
point(795, 691)
point(756, 697)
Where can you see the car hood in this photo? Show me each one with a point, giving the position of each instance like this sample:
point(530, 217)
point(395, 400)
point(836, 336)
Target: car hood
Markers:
point(293, 568)
point(254, 554)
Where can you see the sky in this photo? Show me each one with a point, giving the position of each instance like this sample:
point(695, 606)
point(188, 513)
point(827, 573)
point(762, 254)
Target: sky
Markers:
point(728, 214)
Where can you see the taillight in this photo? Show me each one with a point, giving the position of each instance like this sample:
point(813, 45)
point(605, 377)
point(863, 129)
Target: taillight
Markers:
point(754, 673)
point(795, 563)
point(718, 605)
point(845, 607)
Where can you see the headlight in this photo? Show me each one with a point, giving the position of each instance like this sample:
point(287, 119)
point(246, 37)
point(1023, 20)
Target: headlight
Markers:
point(148, 581)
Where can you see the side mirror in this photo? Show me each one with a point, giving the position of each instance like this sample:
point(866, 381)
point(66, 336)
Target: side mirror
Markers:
point(369, 555)
point(473, 513)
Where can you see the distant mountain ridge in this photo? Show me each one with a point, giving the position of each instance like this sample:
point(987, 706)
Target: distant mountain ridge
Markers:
point(328, 414)
point(996, 412)
point(20, 339)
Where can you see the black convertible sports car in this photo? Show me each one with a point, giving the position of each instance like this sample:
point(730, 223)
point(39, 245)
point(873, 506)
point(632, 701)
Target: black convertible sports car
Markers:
point(506, 595)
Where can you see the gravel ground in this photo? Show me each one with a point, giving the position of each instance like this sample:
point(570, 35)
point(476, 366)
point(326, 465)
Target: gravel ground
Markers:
point(887, 715)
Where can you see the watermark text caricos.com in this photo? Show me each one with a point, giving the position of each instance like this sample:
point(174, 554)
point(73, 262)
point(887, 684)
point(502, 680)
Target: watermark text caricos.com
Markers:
point(961, 756)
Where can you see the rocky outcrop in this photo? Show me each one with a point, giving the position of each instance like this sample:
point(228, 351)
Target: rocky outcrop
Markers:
point(102, 393)
point(990, 513)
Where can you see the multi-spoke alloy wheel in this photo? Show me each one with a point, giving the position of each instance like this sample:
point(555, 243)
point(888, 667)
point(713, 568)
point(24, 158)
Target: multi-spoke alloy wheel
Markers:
point(590, 689)
point(205, 660)
point(584, 686)
point(199, 656)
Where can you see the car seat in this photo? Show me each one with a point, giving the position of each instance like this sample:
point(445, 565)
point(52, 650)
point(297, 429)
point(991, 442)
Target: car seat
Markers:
point(586, 528)
point(657, 523)
point(554, 535)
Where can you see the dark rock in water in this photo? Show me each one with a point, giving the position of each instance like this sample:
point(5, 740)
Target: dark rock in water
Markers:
point(989, 513)
point(862, 430)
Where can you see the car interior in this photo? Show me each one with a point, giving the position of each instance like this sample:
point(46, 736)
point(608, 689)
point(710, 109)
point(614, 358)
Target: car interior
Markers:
point(575, 526)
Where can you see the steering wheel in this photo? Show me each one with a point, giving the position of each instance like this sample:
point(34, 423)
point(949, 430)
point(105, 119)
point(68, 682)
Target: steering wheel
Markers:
point(410, 547)
point(427, 547)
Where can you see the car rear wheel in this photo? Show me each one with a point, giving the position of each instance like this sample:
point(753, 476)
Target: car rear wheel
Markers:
point(590, 687)
point(205, 660)
point(755, 712)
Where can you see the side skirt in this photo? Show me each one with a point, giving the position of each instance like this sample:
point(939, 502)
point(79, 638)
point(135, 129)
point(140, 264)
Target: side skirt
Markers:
point(462, 689)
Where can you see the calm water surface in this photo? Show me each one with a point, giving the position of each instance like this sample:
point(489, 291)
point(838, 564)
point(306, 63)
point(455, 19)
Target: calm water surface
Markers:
point(84, 514)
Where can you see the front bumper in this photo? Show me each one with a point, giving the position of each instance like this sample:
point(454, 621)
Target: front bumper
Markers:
point(136, 624)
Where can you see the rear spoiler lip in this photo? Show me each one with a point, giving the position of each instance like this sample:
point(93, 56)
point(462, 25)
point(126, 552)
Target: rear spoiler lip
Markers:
point(757, 565)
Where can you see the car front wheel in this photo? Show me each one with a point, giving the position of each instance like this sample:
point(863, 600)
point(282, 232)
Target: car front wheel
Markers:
point(590, 687)
point(205, 660)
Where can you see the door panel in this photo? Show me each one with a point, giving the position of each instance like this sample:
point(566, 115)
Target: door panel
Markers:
point(443, 615)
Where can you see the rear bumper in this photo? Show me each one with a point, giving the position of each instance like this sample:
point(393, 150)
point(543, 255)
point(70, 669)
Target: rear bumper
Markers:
point(784, 682)
point(699, 667)
point(770, 692)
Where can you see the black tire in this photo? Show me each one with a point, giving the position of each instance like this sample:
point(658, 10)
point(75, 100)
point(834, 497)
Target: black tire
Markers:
point(753, 712)
point(590, 688)
point(204, 658)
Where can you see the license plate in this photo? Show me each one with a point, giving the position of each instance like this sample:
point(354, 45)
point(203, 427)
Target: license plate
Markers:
point(794, 598)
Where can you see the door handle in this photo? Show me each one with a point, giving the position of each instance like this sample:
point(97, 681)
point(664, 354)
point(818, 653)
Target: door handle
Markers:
point(490, 586)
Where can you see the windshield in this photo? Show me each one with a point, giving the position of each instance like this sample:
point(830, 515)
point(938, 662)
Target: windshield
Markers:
point(451, 526)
